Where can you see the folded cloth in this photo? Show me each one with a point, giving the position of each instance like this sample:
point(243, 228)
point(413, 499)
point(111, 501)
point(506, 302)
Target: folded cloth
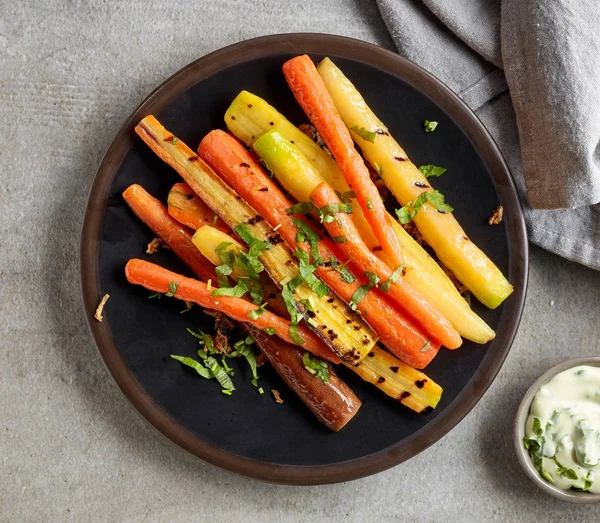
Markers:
point(530, 69)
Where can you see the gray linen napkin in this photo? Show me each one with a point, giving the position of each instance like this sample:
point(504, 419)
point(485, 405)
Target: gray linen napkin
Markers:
point(530, 69)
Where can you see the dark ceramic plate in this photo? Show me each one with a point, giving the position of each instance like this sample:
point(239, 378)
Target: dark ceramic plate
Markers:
point(248, 433)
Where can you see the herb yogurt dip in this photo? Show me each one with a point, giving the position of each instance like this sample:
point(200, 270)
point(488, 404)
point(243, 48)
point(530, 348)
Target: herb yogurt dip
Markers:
point(562, 433)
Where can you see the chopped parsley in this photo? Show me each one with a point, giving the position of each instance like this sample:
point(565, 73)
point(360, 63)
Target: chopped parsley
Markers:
point(432, 170)
point(410, 210)
point(369, 204)
point(270, 330)
point(368, 136)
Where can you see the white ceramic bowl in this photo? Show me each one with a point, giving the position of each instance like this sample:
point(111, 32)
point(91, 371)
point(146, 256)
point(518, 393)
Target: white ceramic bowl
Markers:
point(523, 456)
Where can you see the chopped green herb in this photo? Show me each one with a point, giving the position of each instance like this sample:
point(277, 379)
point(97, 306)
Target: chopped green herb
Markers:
point(237, 291)
point(175, 141)
point(316, 366)
point(307, 274)
point(155, 295)
point(172, 289)
point(197, 366)
point(394, 277)
point(255, 314)
point(432, 170)
point(301, 208)
point(379, 168)
point(227, 392)
point(244, 232)
point(307, 233)
point(347, 197)
point(364, 134)
point(345, 272)
point(410, 210)
point(226, 367)
point(219, 373)
point(215, 220)
point(369, 204)
point(426, 347)
point(430, 126)
point(199, 335)
point(340, 239)
point(362, 291)
point(537, 427)
point(295, 335)
point(243, 348)
point(270, 331)
point(187, 309)
point(326, 213)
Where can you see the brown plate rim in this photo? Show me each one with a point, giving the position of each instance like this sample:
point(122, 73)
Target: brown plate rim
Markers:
point(427, 84)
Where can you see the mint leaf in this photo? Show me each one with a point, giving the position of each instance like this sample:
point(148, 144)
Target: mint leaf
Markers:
point(316, 366)
point(364, 134)
point(197, 366)
point(430, 126)
point(432, 170)
point(394, 277)
point(410, 210)
point(301, 208)
point(172, 289)
point(362, 291)
point(255, 314)
point(307, 233)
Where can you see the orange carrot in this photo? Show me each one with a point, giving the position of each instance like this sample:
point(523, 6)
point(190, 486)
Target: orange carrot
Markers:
point(343, 230)
point(311, 93)
point(158, 279)
point(238, 168)
point(178, 238)
point(187, 208)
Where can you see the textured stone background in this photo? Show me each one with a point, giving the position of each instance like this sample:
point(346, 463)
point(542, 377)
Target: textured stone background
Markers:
point(71, 448)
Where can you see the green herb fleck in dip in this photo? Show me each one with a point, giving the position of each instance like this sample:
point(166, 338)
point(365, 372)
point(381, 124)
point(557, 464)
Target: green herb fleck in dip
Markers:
point(562, 433)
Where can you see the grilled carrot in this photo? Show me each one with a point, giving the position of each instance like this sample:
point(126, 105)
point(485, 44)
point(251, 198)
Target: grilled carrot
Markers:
point(396, 330)
point(311, 93)
point(178, 238)
point(440, 230)
point(328, 318)
point(187, 208)
point(158, 279)
point(343, 230)
point(250, 117)
point(333, 403)
point(207, 239)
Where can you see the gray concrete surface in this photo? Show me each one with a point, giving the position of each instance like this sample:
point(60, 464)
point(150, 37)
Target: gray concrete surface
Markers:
point(71, 448)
